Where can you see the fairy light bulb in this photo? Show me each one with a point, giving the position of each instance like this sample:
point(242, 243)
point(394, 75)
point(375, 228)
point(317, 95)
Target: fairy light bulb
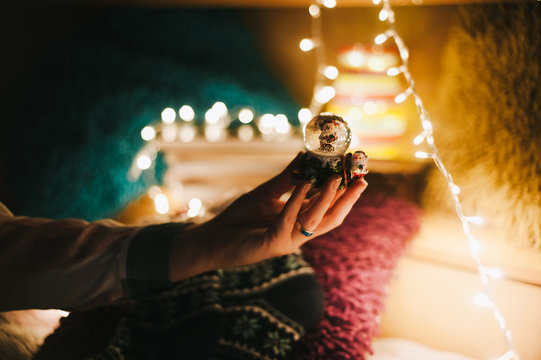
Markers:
point(144, 162)
point(455, 190)
point(393, 71)
point(186, 113)
point(148, 133)
point(402, 96)
point(328, 3)
point(325, 94)
point(376, 2)
point(281, 124)
point(266, 123)
point(355, 58)
point(220, 108)
point(481, 300)
point(212, 116)
point(168, 115)
point(246, 116)
point(161, 204)
point(381, 38)
point(418, 139)
point(427, 125)
point(383, 15)
point(314, 10)
point(307, 44)
point(330, 72)
point(422, 155)
point(305, 115)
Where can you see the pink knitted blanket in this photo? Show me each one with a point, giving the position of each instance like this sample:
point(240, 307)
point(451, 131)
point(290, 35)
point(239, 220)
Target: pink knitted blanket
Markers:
point(354, 264)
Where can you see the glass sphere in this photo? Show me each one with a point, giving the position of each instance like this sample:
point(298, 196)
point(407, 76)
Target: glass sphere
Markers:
point(328, 135)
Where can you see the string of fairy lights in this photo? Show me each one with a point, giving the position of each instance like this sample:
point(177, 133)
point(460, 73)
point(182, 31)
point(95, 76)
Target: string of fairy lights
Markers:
point(272, 127)
point(485, 299)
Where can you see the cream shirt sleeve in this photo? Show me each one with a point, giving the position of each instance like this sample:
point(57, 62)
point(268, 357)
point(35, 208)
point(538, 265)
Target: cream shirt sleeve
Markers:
point(72, 264)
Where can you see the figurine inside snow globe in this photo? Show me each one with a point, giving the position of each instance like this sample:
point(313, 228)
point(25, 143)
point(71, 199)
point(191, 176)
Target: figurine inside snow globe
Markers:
point(327, 138)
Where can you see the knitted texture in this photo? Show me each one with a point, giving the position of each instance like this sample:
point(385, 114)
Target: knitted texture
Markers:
point(354, 264)
point(250, 312)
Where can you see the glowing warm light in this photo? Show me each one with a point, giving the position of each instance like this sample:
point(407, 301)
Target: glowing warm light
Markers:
point(376, 2)
point(383, 15)
point(161, 204)
point(422, 155)
point(328, 3)
point(355, 58)
point(381, 38)
point(305, 115)
point(393, 71)
point(330, 72)
point(212, 116)
point(455, 190)
point(481, 300)
point(246, 116)
point(168, 115)
point(245, 133)
point(195, 204)
point(154, 191)
point(266, 123)
point(419, 139)
point(186, 133)
point(281, 125)
point(220, 108)
point(325, 94)
point(143, 162)
point(186, 113)
point(169, 133)
point(370, 107)
point(314, 10)
point(307, 44)
point(475, 246)
point(148, 133)
point(192, 213)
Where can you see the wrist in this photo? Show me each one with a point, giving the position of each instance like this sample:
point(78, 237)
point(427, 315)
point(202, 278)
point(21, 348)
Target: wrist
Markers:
point(190, 253)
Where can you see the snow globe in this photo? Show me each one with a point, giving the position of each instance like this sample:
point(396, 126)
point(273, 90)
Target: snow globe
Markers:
point(327, 138)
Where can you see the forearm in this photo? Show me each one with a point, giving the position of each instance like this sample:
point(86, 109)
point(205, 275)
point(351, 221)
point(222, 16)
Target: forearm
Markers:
point(72, 264)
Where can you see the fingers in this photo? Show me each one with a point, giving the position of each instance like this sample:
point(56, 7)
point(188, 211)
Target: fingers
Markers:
point(288, 216)
point(311, 218)
point(341, 208)
point(281, 183)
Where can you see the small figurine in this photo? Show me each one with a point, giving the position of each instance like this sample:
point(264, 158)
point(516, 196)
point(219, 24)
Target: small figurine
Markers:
point(327, 138)
point(356, 163)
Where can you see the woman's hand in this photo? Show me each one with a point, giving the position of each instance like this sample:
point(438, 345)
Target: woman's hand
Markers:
point(259, 225)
